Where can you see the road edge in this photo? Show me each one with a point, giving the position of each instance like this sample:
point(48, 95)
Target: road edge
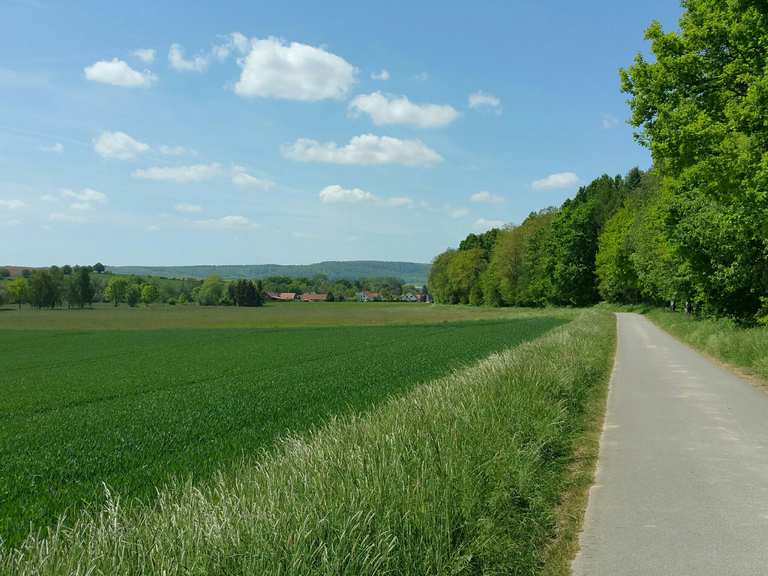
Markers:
point(563, 549)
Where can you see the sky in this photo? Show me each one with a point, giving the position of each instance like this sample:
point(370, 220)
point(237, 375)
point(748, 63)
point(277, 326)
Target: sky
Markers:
point(180, 133)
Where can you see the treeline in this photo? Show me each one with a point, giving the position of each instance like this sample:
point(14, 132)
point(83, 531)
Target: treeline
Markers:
point(690, 233)
point(81, 286)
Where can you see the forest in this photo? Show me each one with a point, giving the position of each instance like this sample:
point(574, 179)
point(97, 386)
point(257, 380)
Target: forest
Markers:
point(692, 231)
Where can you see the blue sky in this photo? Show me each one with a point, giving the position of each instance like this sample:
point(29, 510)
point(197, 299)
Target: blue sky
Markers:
point(165, 133)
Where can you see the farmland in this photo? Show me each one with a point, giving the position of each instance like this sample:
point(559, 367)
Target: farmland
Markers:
point(136, 408)
point(462, 474)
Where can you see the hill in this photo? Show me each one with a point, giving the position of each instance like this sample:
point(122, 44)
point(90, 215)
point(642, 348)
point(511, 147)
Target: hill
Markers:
point(409, 272)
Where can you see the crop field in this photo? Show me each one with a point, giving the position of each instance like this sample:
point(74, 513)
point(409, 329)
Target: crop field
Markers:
point(272, 315)
point(133, 409)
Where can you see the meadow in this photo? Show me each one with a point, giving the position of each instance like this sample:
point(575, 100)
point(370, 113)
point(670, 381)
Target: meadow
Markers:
point(84, 409)
point(469, 473)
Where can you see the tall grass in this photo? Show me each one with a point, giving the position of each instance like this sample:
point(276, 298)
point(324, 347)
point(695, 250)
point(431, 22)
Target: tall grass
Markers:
point(460, 476)
point(745, 348)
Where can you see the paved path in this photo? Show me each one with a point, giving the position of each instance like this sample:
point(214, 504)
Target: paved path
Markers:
point(682, 481)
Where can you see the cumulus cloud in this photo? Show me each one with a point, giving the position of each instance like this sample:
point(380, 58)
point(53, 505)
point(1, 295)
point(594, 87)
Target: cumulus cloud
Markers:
point(56, 148)
point(456, 213)
point(482, 99)
point(146, 55)
point(226, 223)
point(235, 41)
point(383, 75)
point(293, 71)
point(558, 180)
point(399, 110)
point(178, 62)
point(179, 174)
point(187, 208)
point(336, 194)
point(118, 73)
point(366, 149)
point(483, 224)
point(11, 204)
point(485, 198)
point(242, 179)
point(118, 146)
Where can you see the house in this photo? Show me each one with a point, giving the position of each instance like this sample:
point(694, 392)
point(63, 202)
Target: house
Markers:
point(282, 296)
point(366, 296)
point(314, 297)
point(410, 297)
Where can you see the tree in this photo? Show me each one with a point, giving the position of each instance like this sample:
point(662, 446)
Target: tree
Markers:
point(66, 269)
point(5, 273)
point(116, 290)
point(18, 291)
point(133, 295)
point(80, 290)
point(246, 293)
point(44, 289)
point(149, 294)
point(701, 106)
point(99, 268)
point(211, 291)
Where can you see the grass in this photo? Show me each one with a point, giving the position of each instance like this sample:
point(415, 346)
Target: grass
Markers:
point(724, 340)
point(462, 475)
point(273, 315)
point(132, 409)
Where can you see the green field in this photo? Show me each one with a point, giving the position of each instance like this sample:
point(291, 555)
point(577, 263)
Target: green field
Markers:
point(272, 315)
point(134, 408)
point(480, 471)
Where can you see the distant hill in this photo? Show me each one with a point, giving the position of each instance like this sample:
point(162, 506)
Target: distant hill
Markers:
point(409, 272)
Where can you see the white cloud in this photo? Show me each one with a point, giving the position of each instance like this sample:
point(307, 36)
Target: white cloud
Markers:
point(118, 73)
point(226, 223)
point(83, 200)
point(482, 99)
point(396, 201)
point(56, 147)
point(383, 75)
point(608, 121)
point(485, 198)
point(178, 62)
point(65, 217)
point(119, 146)
point(11, 204)
point(399, 110)
point(232, 42)
point(175, 151)
point(187, 208)
point(336, 194)
point(421, 77)
point(365, 149)
point(483, 224)
point(456, 213)
point(242, 179)
point(84, 195)
point(558, 180)
point(180, 174)
point(293, 71)
point(146, 55)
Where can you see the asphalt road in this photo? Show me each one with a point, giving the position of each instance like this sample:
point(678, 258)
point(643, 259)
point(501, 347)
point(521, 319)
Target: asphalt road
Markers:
point(682, 479)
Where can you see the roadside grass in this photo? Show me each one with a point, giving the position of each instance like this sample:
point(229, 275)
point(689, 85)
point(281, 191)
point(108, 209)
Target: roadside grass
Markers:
point(133, 409)
point(462, 475)
point(723, 339)
point(272, 315)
